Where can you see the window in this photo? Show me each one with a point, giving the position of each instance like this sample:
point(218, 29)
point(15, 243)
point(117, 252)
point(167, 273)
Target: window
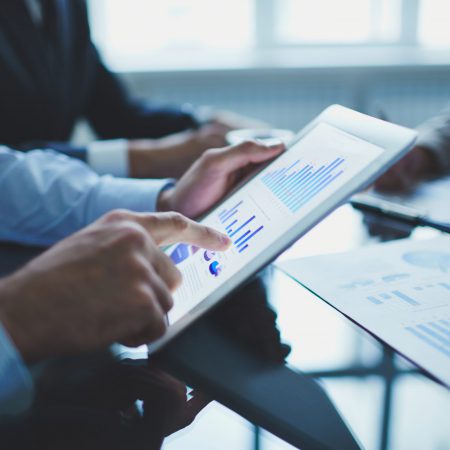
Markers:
point(343, 21)
point(130, 32)
point(434, 23)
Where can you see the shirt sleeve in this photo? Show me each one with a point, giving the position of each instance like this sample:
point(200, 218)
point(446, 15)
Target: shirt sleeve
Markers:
point(16, 384)
point(109, 157)
point(47, 196)
point(434, 134)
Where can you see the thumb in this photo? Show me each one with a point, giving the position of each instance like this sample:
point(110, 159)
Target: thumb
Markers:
point(239, 156)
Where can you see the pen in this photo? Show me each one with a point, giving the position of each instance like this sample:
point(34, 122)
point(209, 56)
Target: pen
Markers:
point(399, 212)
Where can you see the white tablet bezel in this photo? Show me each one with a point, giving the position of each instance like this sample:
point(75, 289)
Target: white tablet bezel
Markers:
point(394, 139)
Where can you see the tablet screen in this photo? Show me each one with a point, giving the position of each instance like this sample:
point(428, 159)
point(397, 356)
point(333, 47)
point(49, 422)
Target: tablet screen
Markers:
point(268, 206)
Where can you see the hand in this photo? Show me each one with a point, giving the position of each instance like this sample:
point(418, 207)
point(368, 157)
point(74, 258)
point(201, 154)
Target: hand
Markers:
point(172, 155)
point(107, 283)
point(166, 406)
point(409, 171)
point(213, 175)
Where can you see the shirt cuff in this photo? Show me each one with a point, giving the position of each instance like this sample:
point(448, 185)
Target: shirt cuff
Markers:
point(109, 157)
point(16, 384)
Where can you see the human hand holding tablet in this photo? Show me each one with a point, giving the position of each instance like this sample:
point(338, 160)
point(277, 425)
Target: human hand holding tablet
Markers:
point(212, 176)
point(337, 154)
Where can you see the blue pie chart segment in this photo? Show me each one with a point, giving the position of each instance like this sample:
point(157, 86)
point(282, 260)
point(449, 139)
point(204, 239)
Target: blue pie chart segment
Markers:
point(215, 268)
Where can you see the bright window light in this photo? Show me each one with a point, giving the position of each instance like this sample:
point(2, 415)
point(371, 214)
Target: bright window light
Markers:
point(133, 29)
point(141, 34)
point(434, 27)
point(341, 22)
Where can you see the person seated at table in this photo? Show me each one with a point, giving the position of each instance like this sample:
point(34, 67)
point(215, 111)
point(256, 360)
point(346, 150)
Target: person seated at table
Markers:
point(110, 281)
point(51, 76)
point(429, 158)
point(47, 196)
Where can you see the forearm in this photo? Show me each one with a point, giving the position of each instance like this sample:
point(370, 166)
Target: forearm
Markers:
point(49, 196)
point(165, 157)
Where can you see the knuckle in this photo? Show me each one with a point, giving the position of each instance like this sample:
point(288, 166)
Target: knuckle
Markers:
point(248, 144)
point(142, 296)
point(137, 268)
point(132, 235)
point(116, 215)
point(209, 158)
point(178, 221)
point(152, 219)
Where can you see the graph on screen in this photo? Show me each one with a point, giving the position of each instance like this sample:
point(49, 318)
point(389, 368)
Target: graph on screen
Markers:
point(240, 225)
point(298, 183)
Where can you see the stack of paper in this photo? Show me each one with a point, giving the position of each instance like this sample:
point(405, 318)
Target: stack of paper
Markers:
point(398, 291)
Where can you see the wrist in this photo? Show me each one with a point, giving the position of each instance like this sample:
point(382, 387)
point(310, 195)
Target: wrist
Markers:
point(139, 157)
point(164, 202)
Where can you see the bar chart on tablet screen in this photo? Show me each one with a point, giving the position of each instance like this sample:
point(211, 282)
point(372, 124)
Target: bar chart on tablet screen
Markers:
point(241, 224)
point(300, 182)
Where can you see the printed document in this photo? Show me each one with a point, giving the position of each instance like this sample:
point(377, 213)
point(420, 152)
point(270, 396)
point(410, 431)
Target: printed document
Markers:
point(399, 291)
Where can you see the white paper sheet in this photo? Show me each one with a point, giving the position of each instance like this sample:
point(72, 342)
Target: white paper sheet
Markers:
point(399, 291)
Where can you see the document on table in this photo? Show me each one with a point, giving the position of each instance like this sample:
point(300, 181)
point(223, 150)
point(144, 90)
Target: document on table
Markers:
point(430, 199)
point(398, 291)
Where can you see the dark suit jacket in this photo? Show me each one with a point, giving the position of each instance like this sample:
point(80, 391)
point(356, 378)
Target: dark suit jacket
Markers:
point(43, 93)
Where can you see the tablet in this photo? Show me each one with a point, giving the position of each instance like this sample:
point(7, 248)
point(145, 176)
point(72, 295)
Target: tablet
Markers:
point(336, 155)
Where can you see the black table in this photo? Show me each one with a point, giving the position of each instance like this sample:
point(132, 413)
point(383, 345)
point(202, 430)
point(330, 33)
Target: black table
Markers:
point(387, 402)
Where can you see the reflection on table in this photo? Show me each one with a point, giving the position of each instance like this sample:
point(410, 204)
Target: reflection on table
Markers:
point(387, 402)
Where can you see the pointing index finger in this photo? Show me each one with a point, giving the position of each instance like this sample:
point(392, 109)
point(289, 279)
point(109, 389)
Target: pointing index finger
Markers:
point(186, 230)
point(171, 228)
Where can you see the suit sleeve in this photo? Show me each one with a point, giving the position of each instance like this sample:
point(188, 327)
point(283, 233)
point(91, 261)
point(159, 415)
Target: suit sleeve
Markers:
point(435, 135)
point(113, 113)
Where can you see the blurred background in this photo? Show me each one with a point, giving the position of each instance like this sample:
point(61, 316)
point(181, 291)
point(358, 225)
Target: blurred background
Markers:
point(283, 61)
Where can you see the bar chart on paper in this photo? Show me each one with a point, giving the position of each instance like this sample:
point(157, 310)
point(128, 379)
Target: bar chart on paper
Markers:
point(240, 225)
point(299, 183)
point(410, 295)
point(399, 291)
point(434, 333)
